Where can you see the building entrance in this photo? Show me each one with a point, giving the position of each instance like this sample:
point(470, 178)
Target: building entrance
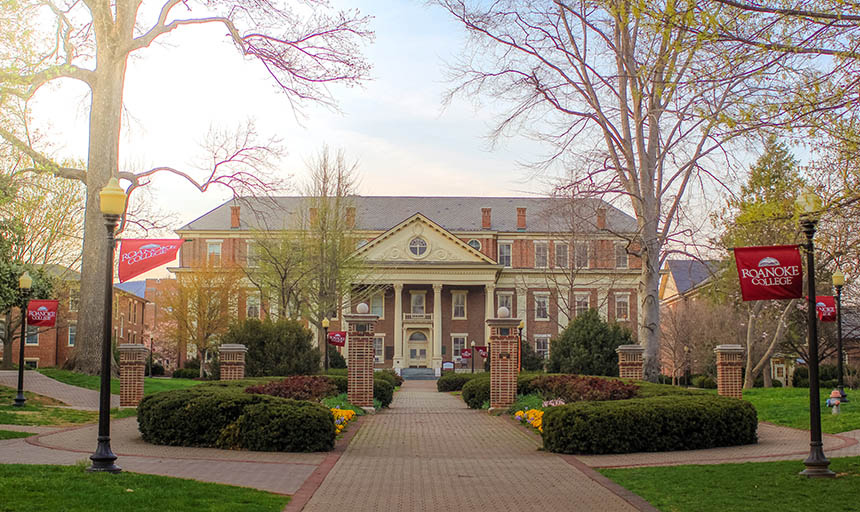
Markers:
point(417, 349)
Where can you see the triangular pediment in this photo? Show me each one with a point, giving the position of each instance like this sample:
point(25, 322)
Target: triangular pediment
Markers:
point(403, 244)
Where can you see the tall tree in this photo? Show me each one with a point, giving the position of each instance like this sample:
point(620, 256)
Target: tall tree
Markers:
point(304, 46)
point(628, 96)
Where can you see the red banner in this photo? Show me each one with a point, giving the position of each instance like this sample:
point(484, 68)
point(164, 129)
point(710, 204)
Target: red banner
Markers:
point(42, 313)
point(137, 256)
point(337, 338)
point(825, 305)
point(770, 272)
point(484, 351)
point(466, 353)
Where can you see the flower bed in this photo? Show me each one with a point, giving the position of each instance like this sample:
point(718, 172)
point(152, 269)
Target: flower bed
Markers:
point(532, 417)
point(341, 418)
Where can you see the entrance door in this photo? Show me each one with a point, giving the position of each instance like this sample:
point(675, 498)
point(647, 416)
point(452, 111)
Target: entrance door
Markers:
point(417, 350)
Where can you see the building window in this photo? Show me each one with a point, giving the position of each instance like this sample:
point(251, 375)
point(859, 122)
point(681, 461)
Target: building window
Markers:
point(377, 305)
point(542, 307)
point(561, 256)
point(541, 255)
point(378, 349)
point(121, 326)
point(73, 333)
point(621, 256)
point(213, 253)
point(418, 336)
point(251, 254)
point(581, 303)
point(542, 345)
point(131, 312)
point(458, 341)
point(580, 255)
point(32, 335)
point(505, 254)
point(622, 306)
point(74, 300)
point(31, 364)
point(418, 246)
point(417, 303)
point(458, 300)
point(252, 306)
point(507, 300)
point(475, 244)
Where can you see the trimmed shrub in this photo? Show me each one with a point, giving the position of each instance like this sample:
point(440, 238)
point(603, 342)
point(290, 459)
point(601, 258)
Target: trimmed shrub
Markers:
point(578, 388)
point(776, 383)
point(341, 382)
point(524, 382)
point(398, 380)
point(383, 391)
point(704, 382)
point(387, 377)
point(284, 347)
point(453, 381)
point(157, 369)
point(587, 346)
point(477, 391)
point(186, 373)
point(335, 360)
point(299, 387)
point(649, 425)
point(649, 389)
point(288, 426)
point(343, 372)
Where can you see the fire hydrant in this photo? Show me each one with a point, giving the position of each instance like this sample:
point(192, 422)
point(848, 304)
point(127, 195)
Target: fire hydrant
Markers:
point(834, 401)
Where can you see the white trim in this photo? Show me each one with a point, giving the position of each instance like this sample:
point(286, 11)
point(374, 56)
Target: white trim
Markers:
point(69, 334)
point(248, 245)
point(381, 358)
point(576, 246)
point(626, 296)
point(381, 295)
point(546, 337)
point(27, 336)
point(545, 296)
point(621, 245)
point(510, 296)
point(576, 296)
point(480, 245)
point(499, 244)
point(465, 295)
point(545, 246)
point(423, 295)
point(465, 337)
point(566, 246)
point(31, 360)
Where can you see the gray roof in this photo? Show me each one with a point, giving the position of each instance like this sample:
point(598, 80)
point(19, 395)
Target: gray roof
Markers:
point(137, 288)
point(381, 213)
point(691, 273)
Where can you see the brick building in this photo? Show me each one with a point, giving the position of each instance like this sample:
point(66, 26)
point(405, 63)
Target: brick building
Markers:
point(443, 265)
point(52, 346)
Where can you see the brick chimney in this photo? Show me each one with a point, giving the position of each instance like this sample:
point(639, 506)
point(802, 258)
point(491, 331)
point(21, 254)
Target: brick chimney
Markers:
point(350, 217)
point(234, 217)
point(521, 219)
point(601, 218)
point(486, 219)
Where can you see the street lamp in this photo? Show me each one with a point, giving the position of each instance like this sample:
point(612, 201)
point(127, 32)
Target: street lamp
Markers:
point(520, 328)
point(112, 199)
point(325, 324)
point(816, 463)
point(838, 283)
point(473, 356)
point(25, 282)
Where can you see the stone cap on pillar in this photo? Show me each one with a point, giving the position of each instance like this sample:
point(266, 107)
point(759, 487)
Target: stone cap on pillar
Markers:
point(503, 319)
point(729, 349)
point(132, 347)
point(630, 349)
point(361, 316)
point(233, 347)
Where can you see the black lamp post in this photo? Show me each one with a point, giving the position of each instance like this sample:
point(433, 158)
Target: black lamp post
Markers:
point(25, 282)
point(838, 283)
point(112, 199)
point(325, 324)
point(816, 463)
point(473, 356)
point(520, 328)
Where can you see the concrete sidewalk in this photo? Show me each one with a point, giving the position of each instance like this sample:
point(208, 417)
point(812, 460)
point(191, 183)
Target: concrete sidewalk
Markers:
point(73, 396)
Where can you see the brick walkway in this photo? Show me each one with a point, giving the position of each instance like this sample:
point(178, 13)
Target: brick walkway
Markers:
point(73, 396)
point(430, 452)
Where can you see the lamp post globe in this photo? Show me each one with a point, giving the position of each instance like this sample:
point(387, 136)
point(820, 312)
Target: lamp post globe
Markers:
point(112, 202)
point(25, 282)
point(838, 283)
point(473, 356)
point(816, 463)
point(325, 323)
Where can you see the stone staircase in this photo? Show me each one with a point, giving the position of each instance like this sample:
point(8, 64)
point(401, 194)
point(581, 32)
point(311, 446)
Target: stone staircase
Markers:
point(418, 374)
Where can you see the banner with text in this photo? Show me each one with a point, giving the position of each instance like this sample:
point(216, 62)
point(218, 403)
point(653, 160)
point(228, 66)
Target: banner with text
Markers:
point(484, 351)
point(137, 256)
point(466, 353)
point(42, 313)
point(770, 272)
point(337, 338)
point(825, 305)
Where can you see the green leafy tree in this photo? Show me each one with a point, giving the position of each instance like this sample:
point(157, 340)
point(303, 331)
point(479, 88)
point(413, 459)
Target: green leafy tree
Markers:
point(531, 360)
point(11, 299)
point(587, 346)
point(284, 347)
point(335, 359)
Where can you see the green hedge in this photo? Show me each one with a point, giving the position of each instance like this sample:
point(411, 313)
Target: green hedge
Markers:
point(186, 373)
point(210, 417)
point(477, 391)
point(383, 391)
point(453, 381)
point(649, 425)
point(387, 377)
point(292, 426)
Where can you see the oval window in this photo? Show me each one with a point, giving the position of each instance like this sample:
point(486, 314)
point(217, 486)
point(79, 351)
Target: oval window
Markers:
point(475, 244)
point(418, 246)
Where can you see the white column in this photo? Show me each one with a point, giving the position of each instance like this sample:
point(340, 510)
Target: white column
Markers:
point(398, 327)
point(437, 329)
point(489, 310)
point(522, 308)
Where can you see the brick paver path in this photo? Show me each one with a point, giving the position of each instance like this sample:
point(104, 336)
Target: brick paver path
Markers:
point(73, 396)
point(429, 452)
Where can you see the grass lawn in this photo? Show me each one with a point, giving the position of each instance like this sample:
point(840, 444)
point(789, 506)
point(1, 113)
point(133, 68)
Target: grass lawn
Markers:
point(38, 411)
point(749, 486)
point(150, 385)
point(790, 407)
point(12, 434)
point(32, 488)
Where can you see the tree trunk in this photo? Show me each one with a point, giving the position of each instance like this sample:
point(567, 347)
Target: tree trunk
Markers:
point(201, 355)
point(649, 302)
point(768, 380)
point(7, 342)
point(102, 164)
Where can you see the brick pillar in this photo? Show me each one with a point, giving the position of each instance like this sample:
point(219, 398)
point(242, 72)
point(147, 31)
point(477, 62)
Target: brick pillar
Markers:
point(504, 359)
point(232, 358)
point(359, 332)
point(132, 365)
point(630, 361)
point(730, 360)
